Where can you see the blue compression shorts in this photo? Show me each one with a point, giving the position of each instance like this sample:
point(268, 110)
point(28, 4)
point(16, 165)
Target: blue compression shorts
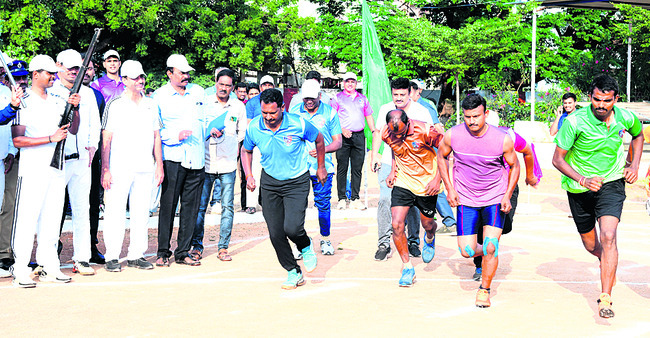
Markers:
point(470, 218)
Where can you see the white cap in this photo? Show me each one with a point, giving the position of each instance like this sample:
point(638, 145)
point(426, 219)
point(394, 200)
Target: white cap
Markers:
point(180, 62)
point(132, 69)
point(419, 83)
point(349, 75)
point(492, 118)
point(267, 79)
point(43, 62)
point(70, 58)
point(310, 89)
point(111, 52)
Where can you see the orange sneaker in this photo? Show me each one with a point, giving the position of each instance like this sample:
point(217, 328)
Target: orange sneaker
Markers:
point(483, 298)
point(605, 306)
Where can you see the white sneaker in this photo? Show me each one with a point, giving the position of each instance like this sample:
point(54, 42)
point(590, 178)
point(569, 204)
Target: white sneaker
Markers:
point(341, 205)
point(326, 248)
point(5, 273)
point(83, 268)
point(24, 282)
point(357, 204)
point(55, 277)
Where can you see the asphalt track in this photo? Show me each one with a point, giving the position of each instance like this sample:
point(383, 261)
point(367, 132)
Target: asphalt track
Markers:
point(546, 285)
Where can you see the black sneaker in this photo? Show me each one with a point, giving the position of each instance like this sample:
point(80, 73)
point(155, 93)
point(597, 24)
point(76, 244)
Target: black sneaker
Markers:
point(383, 253)
point(477, 274)
point(414, 250)
point(139, 263)
point(113, 266)
point(97, 257)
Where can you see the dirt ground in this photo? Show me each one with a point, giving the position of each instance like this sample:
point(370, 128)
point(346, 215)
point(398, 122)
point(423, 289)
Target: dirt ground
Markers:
point(546, 284)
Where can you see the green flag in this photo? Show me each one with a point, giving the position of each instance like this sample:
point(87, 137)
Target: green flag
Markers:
point(375, 80)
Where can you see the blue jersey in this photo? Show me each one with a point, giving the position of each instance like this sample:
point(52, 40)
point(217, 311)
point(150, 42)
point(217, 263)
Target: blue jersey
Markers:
point(328, 124)
point(284, 152)
point(253, 107)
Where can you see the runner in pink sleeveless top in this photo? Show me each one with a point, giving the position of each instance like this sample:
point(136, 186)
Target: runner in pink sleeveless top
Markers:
point(482, 186)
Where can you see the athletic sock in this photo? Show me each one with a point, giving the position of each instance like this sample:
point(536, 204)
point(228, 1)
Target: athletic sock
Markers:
point(408, 265)
point(429, 240)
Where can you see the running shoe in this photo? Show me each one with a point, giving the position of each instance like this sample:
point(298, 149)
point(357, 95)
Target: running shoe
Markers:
point(293, 281)
point(447, 230)
point(357, 204)
point(428, 250)
point(139, 263)
point(408, 278)
point(483, 298)
point(341, 205)
point(477, 274)
point(605, 306)
point(383, 253)
point(113, 266)
point(326, 248)
point(4, 273)
point(309, 257)
point(24, 282)
point(414, 250)
point(54, 277)
point(83, 268)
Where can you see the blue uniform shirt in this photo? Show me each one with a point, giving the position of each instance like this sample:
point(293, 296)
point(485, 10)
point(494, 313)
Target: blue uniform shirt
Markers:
point(253, 107)
point(328, 124)
point(284, 152)
point(182, 112)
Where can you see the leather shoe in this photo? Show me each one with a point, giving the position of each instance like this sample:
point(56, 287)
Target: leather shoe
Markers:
point(97, 257)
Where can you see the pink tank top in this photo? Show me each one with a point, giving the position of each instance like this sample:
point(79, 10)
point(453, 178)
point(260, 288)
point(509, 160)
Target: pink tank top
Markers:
point(480, 178)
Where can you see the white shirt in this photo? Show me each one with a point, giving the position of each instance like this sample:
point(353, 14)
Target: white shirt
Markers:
point(221, 153)
point(41, 119)
point(89, 124)
point(182, 112)
point(133, 126)
point(415, 111)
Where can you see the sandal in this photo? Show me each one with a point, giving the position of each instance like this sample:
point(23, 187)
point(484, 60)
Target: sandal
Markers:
point(196, 254)
point(188, 261)
point(162, 261)
point(224, 256)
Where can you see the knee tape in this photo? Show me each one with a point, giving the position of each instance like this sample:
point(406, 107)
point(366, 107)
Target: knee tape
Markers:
point(469, 251)
point(494, 242)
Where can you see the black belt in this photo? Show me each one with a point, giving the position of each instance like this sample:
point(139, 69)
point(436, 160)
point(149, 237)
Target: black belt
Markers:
point(360, 131)
point(72, 156)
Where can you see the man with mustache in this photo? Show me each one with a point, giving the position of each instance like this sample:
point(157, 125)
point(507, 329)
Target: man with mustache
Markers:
point(590, 156)
point(481, 188)
point(182, 134)
point(381, 160)
point(284, 183)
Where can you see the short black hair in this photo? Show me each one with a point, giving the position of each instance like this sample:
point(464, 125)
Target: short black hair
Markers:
point(272, 95)
point(241, 85)
point(414, 85)
point(605, 83)
point(472, 101)
point(226, 72)
point(252, 85)
point(400, 83)
point(312, 74)
point(569, 96)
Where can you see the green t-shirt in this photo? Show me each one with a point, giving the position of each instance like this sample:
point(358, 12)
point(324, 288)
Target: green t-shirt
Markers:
point(593, 149)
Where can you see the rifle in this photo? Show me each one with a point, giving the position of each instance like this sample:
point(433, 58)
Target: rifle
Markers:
point(9, 76)
point(58, 157)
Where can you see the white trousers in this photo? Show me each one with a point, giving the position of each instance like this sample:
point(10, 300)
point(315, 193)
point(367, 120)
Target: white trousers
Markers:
point(39, 201)
point(253, 196)
point(137, 188)
point(78, 179)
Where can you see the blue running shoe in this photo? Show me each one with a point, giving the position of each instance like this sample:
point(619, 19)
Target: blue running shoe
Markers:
point(309, 257)
point(293, 281)
point(408, 278)
point(428, 250)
